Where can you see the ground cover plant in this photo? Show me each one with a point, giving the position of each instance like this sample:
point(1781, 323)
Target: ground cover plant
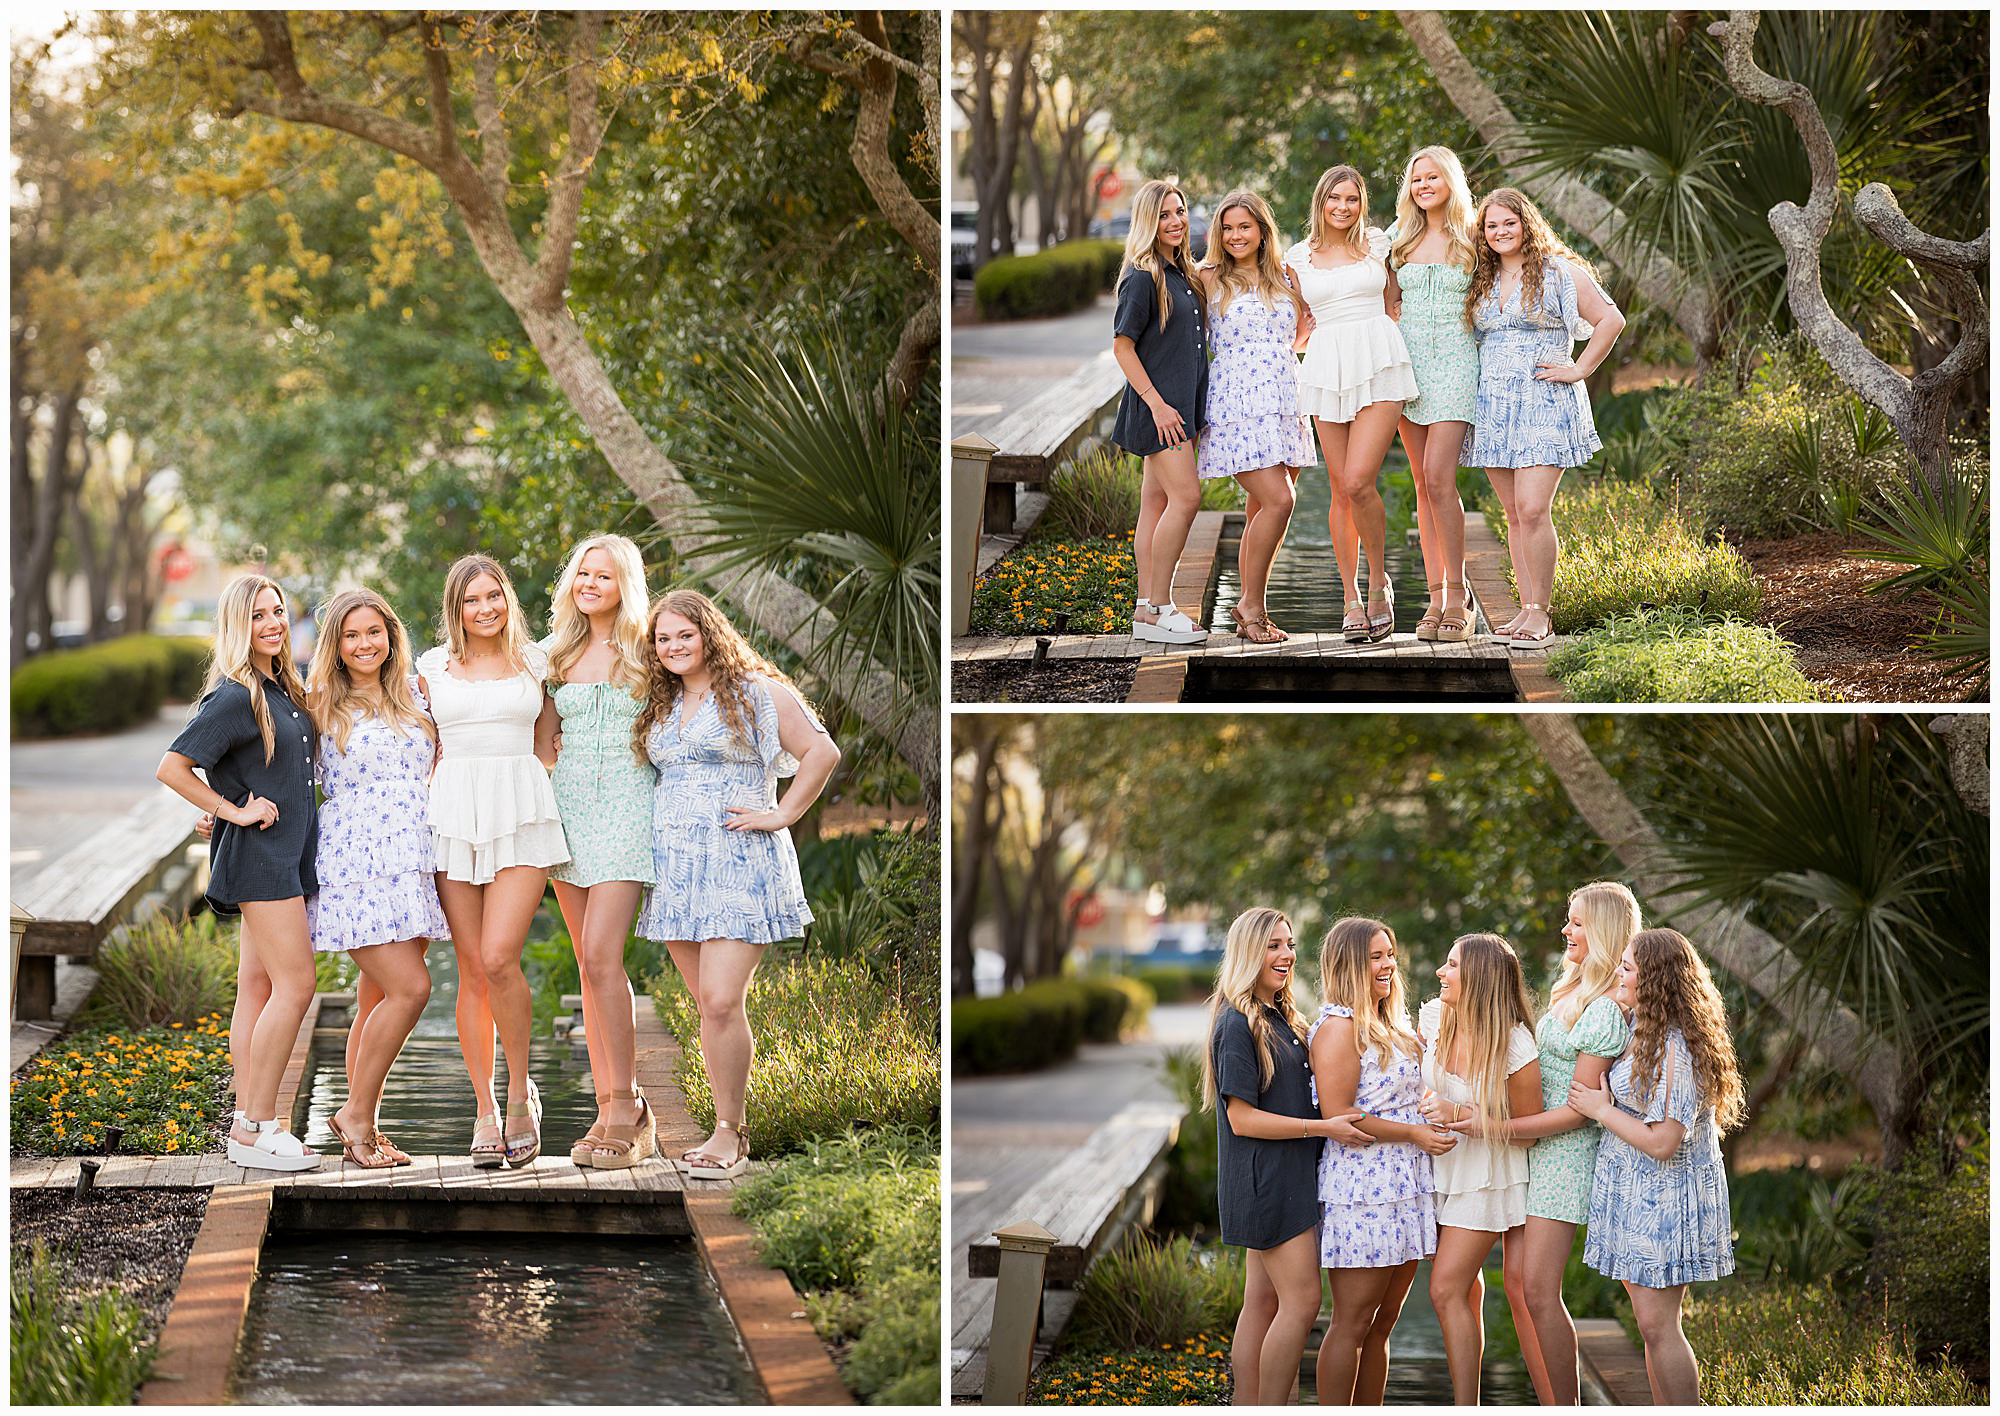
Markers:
point(166, 1086)
point(69, 1347)
point(1196, 1373)
point(1091, 583)
point(1679, 655)
point(853, 1221)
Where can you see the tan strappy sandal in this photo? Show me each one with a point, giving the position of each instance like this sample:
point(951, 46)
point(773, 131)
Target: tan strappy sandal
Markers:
point(1354, 627)
point(624, 1146)
point(1454, 626)
point(1427, 627)
point(707, 1166)
point(579, 1154)
point(488, 1155)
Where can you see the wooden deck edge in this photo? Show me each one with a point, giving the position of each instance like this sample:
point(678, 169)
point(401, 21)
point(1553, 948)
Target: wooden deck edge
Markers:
point(1486, 571)
point(198, 1343)
point(1609, 1355)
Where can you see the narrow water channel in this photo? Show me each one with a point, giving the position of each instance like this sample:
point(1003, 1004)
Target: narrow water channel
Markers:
point(415, 1320)
point(1418, 1373)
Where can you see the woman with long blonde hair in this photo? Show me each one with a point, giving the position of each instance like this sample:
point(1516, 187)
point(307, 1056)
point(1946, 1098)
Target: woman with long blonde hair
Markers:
point(1431, 252)
point(1353, 382)
point(495, 831)
point(598, 667)
point(253, 739)
point(1659, 1203)
point(378, 895)
point(1160, 339)
point(721, 724)
point(1528, 299)
point(1479, 1063)
point(1255, 432)
point(1256, 1075)
point(1378, 1217)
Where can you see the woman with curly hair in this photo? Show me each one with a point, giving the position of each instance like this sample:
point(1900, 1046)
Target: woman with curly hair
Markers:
point(1256, 1076)
point(721, 725)
point(1529, 299)
point(1659, 1203)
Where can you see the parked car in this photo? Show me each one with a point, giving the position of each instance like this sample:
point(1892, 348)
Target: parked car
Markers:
point(1118, 227)
point(964, 238)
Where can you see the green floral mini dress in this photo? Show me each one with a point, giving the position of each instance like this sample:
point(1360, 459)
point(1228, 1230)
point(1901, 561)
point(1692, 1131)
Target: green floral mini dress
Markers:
point(1560, 1167)
point(603, 790)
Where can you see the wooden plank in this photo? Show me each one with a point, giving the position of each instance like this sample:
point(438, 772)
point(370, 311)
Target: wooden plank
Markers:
point(1034, 439)
point(78, 898)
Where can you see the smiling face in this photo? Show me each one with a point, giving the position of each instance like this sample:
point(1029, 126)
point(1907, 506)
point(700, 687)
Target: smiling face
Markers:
point(364, 644)
point(678, 643)
point(1343, 205)
point(270, 632)
point(1278, 959)
point(484, 608)
point(1173, 227)
point(1576, 945)
point(1241, 236)
point(1428, 187)
point(1502, 227)
point(1625, 992)
point(595, 586)
point(1448, 977)
point(1382, 964)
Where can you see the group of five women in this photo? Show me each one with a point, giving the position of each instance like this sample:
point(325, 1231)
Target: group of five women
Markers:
point(1455, 326)
point(1359, 1144)
point(666, 732)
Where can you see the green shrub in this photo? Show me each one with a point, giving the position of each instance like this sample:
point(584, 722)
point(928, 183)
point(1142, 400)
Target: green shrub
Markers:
point(187, 665)
point(1105, 1006)
point(1187, 1199)
point(1139, 1001)
point(1093, 497)
point(1932, 1257)
point(1944, 540)
point(1146, 1293)
point(889, 920)
point(1799, 1345)
point(167, 1087)
point(1680, 656)
point(165, 971)
point(1171, 983)
point(96, 690)
point(835, 1048)
point(1022, 1031)
point(1051, 282)
point(897, 1319)
point(69, 1348)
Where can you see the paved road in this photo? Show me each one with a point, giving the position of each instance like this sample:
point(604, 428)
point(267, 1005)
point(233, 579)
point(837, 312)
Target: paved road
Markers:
point(997, 367)
point(61, 791)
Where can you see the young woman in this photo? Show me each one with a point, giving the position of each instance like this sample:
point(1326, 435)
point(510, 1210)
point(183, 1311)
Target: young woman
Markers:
point(378, 895)
point(598, 664)
point(1527, 294)
point(1257, 1076)
point(1659, 1204)
point(253, 738)
point(494, 831)
point(1479, 1062)
point(721, 725)
point(1255, 432)
point(1377, 1212)
point(1431, 253)
point(1161, 342)
point(1353, 381)
point(1582, 1031)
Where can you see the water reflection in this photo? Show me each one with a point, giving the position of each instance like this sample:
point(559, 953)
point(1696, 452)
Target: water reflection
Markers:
point(449, 1320)
point(1418, 1373)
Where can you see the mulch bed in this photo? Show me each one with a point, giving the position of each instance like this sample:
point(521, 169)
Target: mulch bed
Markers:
point(1052, 681)
point(135, 1241)
point(1856, 646)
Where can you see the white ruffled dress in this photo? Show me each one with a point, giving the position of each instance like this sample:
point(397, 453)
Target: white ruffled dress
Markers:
point(1480, 1184)
point(1356, 355)
point(492, 805)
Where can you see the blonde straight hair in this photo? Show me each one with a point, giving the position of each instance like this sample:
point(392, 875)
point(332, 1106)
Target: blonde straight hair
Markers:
point(1492, 999)
point(1236, 987)
point(1412, 222)
point(336, 703)
point(1263, 274)
point(230, 658)
point(1142, 242)
point(451, 619)
point(1318, 233)
point(1345, 978)
point(569, 627)
point(1610, 915)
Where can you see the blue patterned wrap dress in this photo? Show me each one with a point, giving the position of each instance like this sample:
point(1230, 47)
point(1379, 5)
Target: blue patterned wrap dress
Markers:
point(1659, 1223)
point(1523, 421)
point(709, 882)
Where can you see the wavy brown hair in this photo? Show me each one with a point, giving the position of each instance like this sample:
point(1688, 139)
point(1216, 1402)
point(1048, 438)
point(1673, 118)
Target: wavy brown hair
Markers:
point(1492, 999)
point(1263, 274)
point(1539, 246)
point(1673, 990)
point(336, 703)
point(1318, 232)
point(730, 661)
point(1236, 987)
point(1345, 978)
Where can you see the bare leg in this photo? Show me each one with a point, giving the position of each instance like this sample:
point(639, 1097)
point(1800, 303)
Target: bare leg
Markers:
point(1534, 500)
point(1415, 439)
point(1372, 1380)
point(1270, 492)
point(1339, 524)
point(1545, 1249)
point(1260, 1310)
point(1670, 1363)
point(573, 902)
point(1293, 1270)
point(1437, 474)
point(253, 992)
point(277, 933)
point(1368, 439)
point(1179, 488)
point(607, 925)
point(397, 975)
point(464, 912)
point(1456, 1292)
point(1502, 479)
point(507, 910)
point(718, 972)
point(367, 998)
point(1514, 1283)
point(1358, 1295)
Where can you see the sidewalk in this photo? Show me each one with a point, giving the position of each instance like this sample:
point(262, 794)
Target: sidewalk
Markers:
point(997, 367)
point(62, 790)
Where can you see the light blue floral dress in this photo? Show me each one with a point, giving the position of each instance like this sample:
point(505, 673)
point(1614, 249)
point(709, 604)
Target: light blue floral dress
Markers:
point(604, 793)
point(374, 858)
point(1377, 1208)
point(1523, 421)
point(1442, 349)
point(712, 883)
point(1253, 391)
point(1661, 1223)
point(1560, 1166)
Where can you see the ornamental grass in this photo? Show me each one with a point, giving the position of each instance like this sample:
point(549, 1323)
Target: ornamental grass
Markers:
point(1093, 582)
point(1785, 1344)
point(166, 1086)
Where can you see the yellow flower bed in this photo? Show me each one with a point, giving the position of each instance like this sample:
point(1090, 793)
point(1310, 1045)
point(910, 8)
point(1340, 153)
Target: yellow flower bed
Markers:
point(1194, 1373)
point(1090, 581)
point(164, 1085)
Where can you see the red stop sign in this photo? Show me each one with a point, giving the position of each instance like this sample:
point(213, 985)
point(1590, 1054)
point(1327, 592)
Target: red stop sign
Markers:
point(175, 563)
point(1109, 184)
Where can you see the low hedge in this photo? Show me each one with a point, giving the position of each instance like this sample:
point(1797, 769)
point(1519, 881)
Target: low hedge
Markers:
point(1932, 1258)
point(1052, 282)
point(106, 686)
point(1176, 983)
point(1022, 1031)
point(1677, 655)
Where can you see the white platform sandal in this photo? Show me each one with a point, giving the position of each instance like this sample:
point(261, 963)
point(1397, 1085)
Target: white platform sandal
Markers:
point(274, 1149)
